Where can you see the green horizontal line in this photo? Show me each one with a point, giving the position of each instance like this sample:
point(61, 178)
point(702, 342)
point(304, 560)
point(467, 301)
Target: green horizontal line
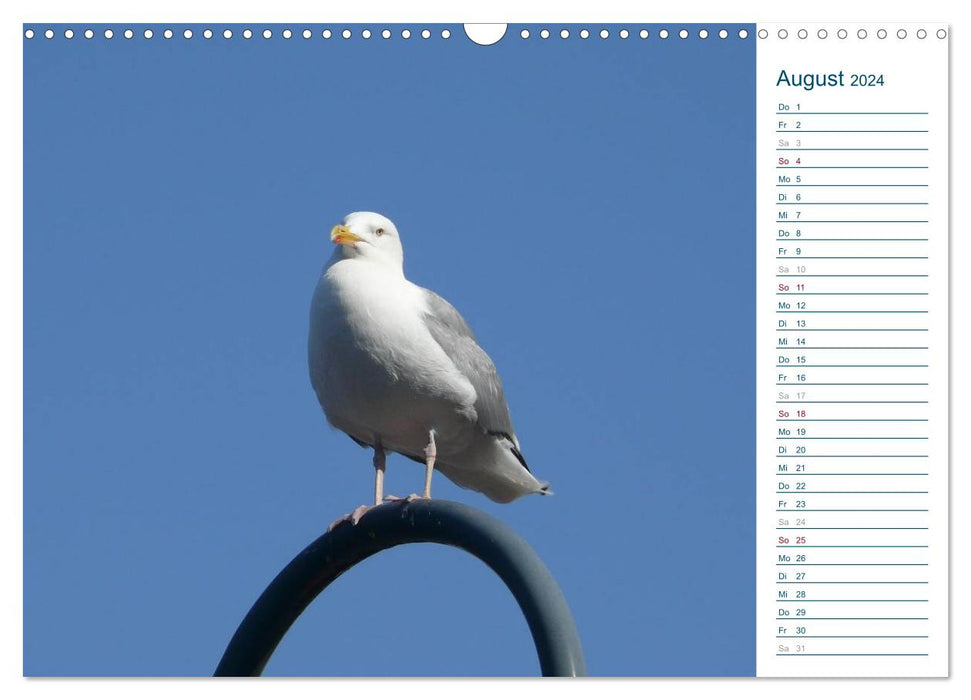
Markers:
point(804, 275)
point(851, 167)
point(786, 203)
point(851, 131)
point(851, 294)
point(850, 239)
point(852, 149)
point(851, 221)
point(855, 311)
point(800, 112)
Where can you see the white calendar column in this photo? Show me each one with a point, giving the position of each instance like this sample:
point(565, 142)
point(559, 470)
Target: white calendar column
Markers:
point(852, 350)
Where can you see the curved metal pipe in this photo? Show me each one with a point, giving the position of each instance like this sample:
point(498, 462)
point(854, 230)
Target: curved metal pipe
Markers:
point(393, 524)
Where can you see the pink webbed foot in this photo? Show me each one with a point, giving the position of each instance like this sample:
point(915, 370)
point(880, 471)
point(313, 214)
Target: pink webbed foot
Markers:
point(353, 517)
point(406, 499)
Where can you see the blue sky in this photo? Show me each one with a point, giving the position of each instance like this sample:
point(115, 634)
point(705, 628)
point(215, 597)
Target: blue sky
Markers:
point(587, 205)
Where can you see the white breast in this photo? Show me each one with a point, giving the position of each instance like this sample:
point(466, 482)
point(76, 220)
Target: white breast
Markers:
point(377, 371)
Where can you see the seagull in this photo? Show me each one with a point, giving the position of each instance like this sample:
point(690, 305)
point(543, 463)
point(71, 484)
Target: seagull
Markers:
point(397, 368)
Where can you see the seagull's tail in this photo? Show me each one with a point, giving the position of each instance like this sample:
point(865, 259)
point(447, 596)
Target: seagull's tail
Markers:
point(544, 489)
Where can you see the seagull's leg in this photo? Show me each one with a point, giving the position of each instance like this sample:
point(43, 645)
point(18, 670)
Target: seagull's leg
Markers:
point(430, 454)
point(355, 515)
point(378, 474)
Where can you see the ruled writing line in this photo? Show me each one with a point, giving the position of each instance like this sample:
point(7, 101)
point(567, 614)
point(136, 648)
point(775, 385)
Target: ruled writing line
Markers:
point(851, 636)
point(786, 203)
point(842, 240)
point(800, 112)
point(851, 131)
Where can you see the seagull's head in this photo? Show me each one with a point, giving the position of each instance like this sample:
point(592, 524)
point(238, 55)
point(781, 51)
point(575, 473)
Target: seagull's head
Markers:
point(369, 236)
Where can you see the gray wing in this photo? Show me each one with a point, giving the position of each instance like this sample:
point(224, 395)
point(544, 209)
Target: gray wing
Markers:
point(453, 334)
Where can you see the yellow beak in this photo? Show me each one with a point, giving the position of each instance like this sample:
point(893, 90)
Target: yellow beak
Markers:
point(341, 235)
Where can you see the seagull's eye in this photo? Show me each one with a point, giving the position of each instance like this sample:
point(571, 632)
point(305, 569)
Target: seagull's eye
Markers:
point(379, 232)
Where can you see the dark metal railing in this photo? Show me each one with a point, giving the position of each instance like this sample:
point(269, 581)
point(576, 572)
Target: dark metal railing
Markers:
point(397, 523)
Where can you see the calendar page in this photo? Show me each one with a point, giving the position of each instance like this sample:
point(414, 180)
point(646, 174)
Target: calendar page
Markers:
point(853, 350)
point(665, 302)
